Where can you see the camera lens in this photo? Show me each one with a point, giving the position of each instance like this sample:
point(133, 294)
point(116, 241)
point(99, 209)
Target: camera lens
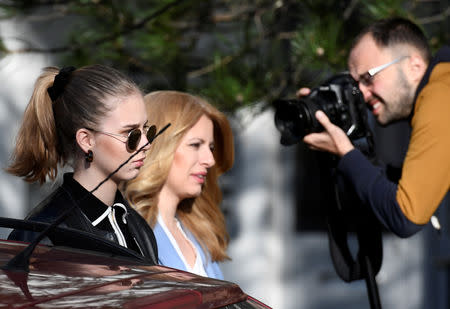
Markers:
point(294, 119)
point(338, 97)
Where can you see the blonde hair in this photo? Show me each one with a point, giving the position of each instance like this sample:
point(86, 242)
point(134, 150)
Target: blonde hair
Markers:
point(46, 137)
point(201, 215)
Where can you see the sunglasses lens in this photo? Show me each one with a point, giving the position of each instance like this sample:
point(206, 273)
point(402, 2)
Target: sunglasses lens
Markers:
point(133, 139)
point(151, 133)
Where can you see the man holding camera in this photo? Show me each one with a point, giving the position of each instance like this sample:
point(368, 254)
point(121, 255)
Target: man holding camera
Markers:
point(399, 79)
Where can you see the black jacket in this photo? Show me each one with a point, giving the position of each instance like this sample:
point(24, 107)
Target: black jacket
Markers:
point(85, 209)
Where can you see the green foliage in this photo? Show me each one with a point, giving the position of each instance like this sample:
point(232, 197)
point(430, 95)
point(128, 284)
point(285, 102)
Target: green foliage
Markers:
point(319, 44)
point(381, 9)
point(229, 89)
point(236, 53)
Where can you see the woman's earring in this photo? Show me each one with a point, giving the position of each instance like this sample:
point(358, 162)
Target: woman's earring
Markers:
point(89, 156)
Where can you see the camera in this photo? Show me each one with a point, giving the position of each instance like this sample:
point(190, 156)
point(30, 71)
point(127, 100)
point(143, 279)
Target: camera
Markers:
point(340, 99)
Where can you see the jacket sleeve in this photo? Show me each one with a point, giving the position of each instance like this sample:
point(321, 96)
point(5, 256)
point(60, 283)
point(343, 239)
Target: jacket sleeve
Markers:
point(425, 178)
point(375, 190)
point(426, 170)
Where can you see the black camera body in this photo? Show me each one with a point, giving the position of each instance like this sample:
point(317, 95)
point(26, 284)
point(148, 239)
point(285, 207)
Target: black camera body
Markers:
point(340, 99)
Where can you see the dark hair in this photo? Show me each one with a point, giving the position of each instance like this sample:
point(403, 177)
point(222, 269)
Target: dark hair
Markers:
point(46, 137)
point(395, 31)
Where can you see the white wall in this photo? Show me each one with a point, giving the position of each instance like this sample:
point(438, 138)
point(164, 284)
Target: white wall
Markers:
point(18, 73)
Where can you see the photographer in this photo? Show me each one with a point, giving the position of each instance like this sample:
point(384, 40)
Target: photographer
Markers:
point(392, 64)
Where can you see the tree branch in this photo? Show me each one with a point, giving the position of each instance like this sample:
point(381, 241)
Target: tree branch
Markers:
point(434, 18)
point(20, 4)
point(227, 59)
point(228, 17)
point(102, 40)
point(349, 10)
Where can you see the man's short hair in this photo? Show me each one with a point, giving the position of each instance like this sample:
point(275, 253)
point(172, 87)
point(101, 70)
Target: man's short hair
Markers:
point(396, 31)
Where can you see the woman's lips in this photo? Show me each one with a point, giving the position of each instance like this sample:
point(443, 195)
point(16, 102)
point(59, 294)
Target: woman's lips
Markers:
point(139, 163)
point(200, 178)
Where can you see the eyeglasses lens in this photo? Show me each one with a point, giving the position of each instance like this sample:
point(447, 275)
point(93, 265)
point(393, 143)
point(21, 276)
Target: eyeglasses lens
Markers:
point(366, 79)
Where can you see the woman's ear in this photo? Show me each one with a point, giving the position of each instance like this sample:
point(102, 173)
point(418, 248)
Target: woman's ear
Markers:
point(85, 139)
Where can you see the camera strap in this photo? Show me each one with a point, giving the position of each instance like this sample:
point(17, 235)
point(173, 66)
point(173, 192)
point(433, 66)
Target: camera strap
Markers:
point(351, 268)
point(349, 216)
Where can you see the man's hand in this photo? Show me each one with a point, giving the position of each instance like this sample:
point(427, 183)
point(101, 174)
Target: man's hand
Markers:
point(332, 140)
point(302, 92)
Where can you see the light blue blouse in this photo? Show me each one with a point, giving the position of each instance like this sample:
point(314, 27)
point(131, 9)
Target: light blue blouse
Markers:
point(168, 256)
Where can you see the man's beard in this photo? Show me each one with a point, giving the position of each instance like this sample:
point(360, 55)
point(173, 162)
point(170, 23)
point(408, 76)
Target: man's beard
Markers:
point(400, 106)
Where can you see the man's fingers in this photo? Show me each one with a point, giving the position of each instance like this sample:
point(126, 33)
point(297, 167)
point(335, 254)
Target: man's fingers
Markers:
point(323, 119)
point(315, 148)
point(302, 92)
point(317, 139)
point(339, 143)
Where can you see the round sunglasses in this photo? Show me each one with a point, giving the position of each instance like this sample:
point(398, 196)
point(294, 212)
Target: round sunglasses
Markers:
point(133, 137)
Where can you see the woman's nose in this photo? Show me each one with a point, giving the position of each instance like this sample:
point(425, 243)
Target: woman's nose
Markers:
point(144, 141)
point(208, 158)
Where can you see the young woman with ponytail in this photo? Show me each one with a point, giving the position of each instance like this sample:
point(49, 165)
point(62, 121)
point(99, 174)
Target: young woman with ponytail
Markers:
point(92, 119)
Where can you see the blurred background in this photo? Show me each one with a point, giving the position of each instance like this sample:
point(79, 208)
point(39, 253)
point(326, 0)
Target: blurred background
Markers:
point(241, 55)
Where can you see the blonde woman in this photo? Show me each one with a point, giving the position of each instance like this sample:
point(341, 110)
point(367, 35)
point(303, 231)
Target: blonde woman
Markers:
point(177, 189)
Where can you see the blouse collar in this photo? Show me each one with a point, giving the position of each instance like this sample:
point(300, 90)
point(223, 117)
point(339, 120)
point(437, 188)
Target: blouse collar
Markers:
point(89, 204)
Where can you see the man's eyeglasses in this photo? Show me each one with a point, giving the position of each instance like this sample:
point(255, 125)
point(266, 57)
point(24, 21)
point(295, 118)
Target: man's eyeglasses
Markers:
point(133, 137)
point(367, 78)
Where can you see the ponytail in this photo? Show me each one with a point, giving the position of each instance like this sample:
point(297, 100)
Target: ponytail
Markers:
point(35, 155)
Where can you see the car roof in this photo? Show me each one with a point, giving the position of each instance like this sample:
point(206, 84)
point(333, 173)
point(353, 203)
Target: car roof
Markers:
point(70, 278)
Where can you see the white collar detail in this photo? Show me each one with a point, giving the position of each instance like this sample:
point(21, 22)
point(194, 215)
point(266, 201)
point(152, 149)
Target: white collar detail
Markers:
point(110, 212)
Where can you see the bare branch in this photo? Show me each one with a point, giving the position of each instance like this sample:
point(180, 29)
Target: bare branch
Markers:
point(214, 66)
point(102, 40)
point(231, 16)
point(227, 59)
point(17, 4)
point(435, 18)
point(349, 10)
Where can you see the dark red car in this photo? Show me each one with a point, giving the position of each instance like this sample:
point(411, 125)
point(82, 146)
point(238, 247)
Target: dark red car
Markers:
point(100, 274)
